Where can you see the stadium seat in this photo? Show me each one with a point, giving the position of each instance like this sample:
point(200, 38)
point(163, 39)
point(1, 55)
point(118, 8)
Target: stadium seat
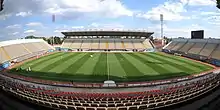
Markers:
point(54, 105)
point(132, 108)
point(63, 107)
point(152, 105)
point(102, 105)
point(90, 108)
point(111, 108)
point(132, 101)
point(101, 108)
point(110, 105)
point(71, 107)
point(143, 107)
point(80, 108)
point(122, 108)
point(94, 105)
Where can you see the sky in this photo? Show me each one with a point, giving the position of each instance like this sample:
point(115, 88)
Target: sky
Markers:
point(34, 17)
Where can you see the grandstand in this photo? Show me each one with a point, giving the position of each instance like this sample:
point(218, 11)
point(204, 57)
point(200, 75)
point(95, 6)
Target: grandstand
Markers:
point(73, 80)
point(200, 49)
point(107, 41)
point(19, 50)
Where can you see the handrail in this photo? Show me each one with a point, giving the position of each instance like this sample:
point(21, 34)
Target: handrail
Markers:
point(100, 85)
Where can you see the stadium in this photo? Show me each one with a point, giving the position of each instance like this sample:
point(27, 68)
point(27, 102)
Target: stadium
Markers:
point(107, 69)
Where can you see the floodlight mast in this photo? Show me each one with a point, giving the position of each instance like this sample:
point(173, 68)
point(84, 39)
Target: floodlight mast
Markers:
point(161, 26)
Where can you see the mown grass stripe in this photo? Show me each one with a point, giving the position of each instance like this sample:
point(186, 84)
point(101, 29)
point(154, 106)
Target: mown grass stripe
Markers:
point(180, 67)
point(101, 66)
point(140, 65)
point(44, 64)
point(160, 63)
point(189, 62)
point(39, 60)
point(115, 69)
point(119, 64)
point(88, 67)
point(185, 64)
point(65, 64)
point(38, 65)
point(58, 62)
point(153, 65)
point(128, 67)
point(43, 57)
point(45, 72)
point(77, 64)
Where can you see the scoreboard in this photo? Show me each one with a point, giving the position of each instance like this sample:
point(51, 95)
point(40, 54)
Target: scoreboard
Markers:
point(199, 34)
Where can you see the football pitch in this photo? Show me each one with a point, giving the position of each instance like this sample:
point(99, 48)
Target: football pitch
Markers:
point(98, 67)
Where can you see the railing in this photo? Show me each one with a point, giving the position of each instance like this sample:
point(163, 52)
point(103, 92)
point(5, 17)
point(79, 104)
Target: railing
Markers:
point(47, 97)
point(101, 85)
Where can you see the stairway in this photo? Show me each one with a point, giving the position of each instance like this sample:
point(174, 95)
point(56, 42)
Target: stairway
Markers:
point(106, 44)
point(123, 45)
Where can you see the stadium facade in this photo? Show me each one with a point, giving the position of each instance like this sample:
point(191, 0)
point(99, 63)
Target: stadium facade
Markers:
point(207, 50)
point(157, 94)
point(108, 41)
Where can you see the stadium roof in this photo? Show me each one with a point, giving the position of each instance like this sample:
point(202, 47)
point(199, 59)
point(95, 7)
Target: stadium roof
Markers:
point(108, 33)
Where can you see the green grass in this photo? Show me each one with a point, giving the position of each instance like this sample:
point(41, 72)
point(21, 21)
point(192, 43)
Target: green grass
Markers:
point(120, 67)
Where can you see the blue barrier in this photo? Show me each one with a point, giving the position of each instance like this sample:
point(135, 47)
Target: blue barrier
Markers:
point(1, 68)
point(166, 50)
point(57, 48)
point(51, 50)
point(64, 49)
point(4, 65)
point(150, 50)
point(215, 62)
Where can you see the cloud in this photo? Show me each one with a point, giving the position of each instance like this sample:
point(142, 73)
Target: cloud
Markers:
point(13, 26)
point(214, 20)
point(14, 33)
point(106, 25)
point(34, 24)
point(174, 32)
point(93, 25)
point(208, 13)
point(110, 8)
point(171, 10)
point(77, 27)
point(4, 16)
point(59, 31)
point(69, 9)
point(29, 31)
point(200, 2)
point(24, 14)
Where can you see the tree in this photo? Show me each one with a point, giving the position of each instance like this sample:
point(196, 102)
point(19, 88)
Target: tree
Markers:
point(44, 39)
point(218, 4)
point(30, 37)
point(48, 41)
point(57, 40)
point(54, 40)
